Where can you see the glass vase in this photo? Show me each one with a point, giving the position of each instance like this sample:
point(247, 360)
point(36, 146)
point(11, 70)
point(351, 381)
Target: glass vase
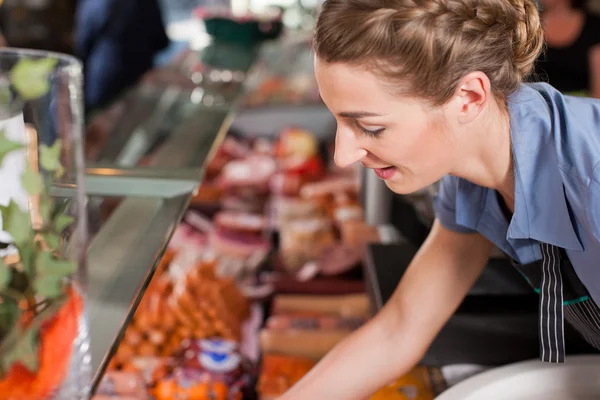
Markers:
point(44, 343)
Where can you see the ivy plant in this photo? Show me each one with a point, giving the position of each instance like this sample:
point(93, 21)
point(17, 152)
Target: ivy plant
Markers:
point(33, 287)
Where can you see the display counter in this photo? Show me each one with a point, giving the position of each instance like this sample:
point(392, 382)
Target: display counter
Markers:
point(144, 173)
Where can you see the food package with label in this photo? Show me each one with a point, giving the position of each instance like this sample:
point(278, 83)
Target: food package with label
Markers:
point(416, 385)
point(279, 373)
point(210, 369)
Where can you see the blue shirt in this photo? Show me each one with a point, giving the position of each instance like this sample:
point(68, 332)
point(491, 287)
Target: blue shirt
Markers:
point(555, 143)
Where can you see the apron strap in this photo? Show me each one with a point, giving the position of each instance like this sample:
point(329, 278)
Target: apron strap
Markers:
point(551, 328)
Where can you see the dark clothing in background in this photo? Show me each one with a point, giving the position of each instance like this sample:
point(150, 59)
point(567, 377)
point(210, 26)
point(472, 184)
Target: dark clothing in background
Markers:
point(568, 68)
point(117, 41)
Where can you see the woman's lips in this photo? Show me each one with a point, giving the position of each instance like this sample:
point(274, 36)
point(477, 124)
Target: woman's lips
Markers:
point(385, 173)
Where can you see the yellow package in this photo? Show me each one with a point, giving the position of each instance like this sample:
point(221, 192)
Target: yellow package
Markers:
point(415, 385)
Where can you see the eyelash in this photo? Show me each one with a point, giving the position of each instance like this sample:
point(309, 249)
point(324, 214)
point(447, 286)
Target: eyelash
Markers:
point(374, 134)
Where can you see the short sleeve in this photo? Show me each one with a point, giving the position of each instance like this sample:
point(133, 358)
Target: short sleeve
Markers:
point(594, 202)
point(445, 205)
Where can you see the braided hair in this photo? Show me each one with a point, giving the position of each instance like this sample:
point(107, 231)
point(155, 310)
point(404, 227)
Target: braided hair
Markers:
point(424, 47)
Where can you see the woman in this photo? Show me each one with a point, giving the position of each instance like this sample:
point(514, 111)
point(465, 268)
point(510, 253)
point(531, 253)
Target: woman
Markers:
point(571, 62)
point(432, 89)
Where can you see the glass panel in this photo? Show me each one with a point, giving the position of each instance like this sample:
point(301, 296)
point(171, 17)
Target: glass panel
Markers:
point(44, 344)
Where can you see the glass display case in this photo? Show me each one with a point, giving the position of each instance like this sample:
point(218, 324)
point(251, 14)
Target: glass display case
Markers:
point(144, 173)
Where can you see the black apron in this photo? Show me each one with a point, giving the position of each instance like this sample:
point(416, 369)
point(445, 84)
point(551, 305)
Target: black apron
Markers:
point(562, 296)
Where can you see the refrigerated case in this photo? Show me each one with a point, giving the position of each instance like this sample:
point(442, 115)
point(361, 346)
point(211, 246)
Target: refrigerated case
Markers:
point(144, 173)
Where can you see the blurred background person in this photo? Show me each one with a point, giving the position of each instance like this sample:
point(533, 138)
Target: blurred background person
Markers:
point(571, 62)
point(117, 41)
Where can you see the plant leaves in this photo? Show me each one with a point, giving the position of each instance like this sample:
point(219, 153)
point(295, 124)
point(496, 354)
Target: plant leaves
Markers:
point(52, 240)
point(9, 315)
point(48, 286)
point(27, 254)
point(50, 157)
point(46, 204)
point(30, 77)
point(17, 223)
point(5, 274)
point(46, 264)
point(62, 222)
point(32, 181)
point(7, 146)
point(50, 275)
point(24, 351)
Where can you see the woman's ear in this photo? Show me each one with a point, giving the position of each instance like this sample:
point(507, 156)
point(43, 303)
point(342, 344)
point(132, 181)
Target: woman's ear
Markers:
point(472, 94)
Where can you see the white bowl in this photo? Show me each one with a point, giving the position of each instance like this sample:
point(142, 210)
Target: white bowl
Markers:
point(577, 379)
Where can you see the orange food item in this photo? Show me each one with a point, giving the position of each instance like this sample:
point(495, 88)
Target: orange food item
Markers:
point(57, 336)
point(279, 373)
point(415, 385)
point(199, 391)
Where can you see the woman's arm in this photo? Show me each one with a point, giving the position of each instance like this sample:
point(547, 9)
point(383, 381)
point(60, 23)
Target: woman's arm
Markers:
point(433, 286)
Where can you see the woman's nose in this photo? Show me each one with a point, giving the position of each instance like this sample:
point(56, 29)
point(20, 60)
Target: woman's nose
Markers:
point(347, 150)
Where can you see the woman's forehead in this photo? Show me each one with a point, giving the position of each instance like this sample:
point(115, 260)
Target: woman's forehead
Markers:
point(345, 88)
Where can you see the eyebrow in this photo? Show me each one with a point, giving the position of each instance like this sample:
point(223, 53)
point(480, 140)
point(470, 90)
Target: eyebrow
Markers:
point(358, 114)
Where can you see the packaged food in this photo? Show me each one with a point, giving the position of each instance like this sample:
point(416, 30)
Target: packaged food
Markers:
point(187, 303)
point(302, 241)
point(287, 209)
point(254, 172)
point(313, 344)
point(314, 321)
point(239, 234)
point(358, 233)
point(279, 373)
point(126, 384)
point(344, 305)
point(416, 385)
point(207, 369)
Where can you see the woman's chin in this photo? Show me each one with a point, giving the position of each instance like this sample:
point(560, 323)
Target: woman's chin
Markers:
point(404, 187)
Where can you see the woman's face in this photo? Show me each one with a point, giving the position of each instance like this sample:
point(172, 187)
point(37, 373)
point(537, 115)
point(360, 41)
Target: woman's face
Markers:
point(409, 144)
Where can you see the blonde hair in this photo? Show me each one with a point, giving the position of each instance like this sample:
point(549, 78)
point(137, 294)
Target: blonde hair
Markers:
point(425, 47)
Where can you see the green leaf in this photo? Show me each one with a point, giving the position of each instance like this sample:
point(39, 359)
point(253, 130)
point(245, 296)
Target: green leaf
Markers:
point(9, 314)
point(17, 223)
point(7, 146)
point(5, 274)
point(50, 157)
point(52, 240)
point(48, 286)
point(50, 275)
point(46, 204)
point(25, 351)
point(32, 181)
point(46, 265)
point(30, 78)
point(62, 222)
point(27, 254)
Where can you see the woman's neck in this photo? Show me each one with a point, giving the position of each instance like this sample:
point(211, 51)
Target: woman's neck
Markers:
point(488, 155)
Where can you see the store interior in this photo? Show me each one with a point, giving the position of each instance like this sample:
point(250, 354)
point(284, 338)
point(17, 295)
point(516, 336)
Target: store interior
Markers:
point(227, 252)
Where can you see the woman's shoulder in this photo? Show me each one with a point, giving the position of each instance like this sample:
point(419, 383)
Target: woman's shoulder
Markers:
point(568, 124)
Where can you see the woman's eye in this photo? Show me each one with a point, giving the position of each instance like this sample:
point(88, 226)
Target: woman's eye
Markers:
point(370, 132)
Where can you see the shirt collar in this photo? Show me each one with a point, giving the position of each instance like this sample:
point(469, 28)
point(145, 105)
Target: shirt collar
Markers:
point(541, 210)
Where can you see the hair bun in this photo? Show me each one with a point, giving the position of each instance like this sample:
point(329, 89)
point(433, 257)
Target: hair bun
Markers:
point(528, 39)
